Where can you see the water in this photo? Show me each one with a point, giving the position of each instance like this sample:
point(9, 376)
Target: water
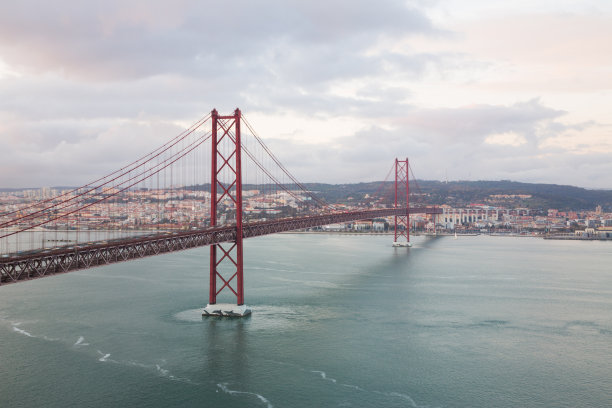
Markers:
point(338, 321)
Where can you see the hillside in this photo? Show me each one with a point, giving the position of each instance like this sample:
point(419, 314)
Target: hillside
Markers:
point(462, 193)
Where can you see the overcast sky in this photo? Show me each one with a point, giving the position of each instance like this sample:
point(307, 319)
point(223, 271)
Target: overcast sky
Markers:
point(466, 89)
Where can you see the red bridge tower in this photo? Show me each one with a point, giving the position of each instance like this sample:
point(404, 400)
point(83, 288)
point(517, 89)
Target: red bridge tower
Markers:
point(402, 222)
point(226, 265)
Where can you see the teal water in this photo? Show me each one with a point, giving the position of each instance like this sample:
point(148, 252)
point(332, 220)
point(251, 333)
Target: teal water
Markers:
point(338, 321)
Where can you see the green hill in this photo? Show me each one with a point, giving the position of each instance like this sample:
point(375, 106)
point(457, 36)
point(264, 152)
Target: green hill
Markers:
point(462, 193)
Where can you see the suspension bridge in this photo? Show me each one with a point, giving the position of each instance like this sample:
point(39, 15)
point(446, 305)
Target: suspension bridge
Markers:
point(214, 185)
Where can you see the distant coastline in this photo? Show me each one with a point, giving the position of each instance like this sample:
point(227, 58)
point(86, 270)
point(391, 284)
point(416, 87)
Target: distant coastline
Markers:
point(566, 237)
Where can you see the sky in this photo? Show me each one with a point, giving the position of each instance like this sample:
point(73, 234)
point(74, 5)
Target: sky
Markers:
point(466, 89)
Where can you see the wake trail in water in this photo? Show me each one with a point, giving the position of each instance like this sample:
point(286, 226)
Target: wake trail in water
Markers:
point(25, 333)
point(393, 394)
point(401, 396)
point(225, 389)
point(355, 387)
point(162, 372)
point(324, 375)
point(104, 357)
point(28, 334)
point(80, 342)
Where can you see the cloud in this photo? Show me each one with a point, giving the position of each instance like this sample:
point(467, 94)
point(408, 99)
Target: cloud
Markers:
point(337, 89)
point(48, 154)
point(117, 40)
point(473, 142)
point(473, 124)
point(506, 139)
point(115, 60)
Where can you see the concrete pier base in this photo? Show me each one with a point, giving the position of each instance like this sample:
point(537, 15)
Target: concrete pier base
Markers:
point(401, 244)
point(226, 310)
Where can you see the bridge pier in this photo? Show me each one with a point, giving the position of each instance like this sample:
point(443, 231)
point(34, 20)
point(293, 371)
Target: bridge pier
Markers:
point(226, 183)
point(225, 310)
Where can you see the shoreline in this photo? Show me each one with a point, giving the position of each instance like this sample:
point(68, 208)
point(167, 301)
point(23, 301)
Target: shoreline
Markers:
point(445, 234)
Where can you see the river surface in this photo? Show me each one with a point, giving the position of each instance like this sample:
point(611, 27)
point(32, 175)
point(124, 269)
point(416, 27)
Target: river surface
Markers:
point(338, 321)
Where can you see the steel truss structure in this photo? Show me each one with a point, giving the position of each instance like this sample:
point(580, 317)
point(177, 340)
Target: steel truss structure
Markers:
point(50, 262)
point(226, 182)
point(402, 221)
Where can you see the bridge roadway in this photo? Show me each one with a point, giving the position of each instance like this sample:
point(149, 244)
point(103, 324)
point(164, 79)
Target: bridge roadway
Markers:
point(48, 262)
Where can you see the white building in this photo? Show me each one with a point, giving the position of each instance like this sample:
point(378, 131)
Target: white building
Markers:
point(453, 217)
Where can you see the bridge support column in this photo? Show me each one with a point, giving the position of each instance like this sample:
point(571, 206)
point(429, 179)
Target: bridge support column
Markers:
point(226, 266)
point(402, 222)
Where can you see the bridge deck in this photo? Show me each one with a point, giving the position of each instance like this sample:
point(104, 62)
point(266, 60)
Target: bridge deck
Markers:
point(49, 262)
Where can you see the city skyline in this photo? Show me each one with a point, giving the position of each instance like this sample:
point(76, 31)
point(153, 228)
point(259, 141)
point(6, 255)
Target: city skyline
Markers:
point(467, 90)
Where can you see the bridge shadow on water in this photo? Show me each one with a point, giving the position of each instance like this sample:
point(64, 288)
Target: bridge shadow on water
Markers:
point(224, 338)
point(224, 359)
point(425, 242)
point(388, 278)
